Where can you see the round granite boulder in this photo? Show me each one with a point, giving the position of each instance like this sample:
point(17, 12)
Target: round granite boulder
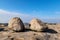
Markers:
point(37, 25)
point(16, 24)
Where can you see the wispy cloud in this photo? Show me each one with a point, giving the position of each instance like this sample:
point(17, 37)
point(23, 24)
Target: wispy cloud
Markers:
point(5, 15)
point(57, 12)
point(47, 16)
point(12, 13)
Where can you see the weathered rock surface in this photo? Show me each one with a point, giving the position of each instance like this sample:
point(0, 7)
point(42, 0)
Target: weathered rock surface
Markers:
point(16, 24)
point(37, 25)
point(30, 35)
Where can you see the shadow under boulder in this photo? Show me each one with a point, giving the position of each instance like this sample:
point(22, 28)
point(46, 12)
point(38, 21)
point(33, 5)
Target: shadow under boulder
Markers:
point(49, 30)
point(1, 29)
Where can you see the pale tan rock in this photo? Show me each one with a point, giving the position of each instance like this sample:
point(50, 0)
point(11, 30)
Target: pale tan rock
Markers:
point(16, 24)
point(37, 25)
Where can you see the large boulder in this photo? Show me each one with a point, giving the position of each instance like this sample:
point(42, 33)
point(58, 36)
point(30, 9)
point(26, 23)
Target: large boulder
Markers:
point(16, 24)
point(37, 25)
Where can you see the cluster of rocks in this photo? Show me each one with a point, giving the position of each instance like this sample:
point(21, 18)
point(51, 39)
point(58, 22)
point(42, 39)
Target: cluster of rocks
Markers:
point(16, 24)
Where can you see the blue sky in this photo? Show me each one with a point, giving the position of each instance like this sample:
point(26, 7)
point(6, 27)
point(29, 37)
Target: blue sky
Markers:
point(46, 10)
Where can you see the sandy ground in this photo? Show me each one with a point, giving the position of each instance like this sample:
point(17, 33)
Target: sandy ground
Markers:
point(31, 35)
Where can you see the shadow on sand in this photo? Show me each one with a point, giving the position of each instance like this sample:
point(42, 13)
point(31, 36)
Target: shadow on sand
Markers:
point(49, 31)
point(44, 30)
point(1, 29)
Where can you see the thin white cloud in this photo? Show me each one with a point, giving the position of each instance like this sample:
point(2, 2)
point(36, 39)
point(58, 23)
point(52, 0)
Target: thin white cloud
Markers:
point(12, 13)
point(5, 16)
point(57, 12)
